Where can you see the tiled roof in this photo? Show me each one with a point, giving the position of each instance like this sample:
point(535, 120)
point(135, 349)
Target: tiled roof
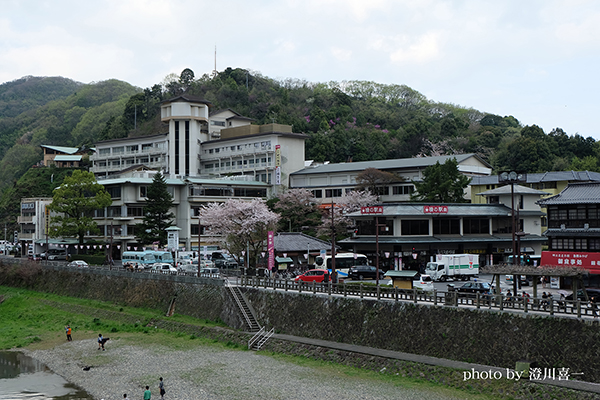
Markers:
point(518, 189)
point(551, 176)
point(293, 241)
point(62, 149)
point(64, 157)
point(454, 210)
point(575, 193)
point(420, 162)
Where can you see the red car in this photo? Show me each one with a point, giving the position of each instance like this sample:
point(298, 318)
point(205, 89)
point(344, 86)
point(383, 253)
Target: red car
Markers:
point(314, 275)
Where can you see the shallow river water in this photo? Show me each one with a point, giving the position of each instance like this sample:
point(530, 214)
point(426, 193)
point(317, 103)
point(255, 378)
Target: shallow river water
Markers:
point(22, 377)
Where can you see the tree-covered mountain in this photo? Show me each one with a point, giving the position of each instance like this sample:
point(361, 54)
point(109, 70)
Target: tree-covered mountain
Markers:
point(54, 111)
point(362, 121)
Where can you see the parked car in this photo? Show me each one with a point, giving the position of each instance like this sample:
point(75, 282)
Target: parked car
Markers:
point(164, 268)
point(595, 293)
point(78, 263)
point(423, 282)
point(209, 271)
point(35, 257)
point(223, 260)
point(475, 287)
point(314, 275)
point(360, 272)
point(524, 280)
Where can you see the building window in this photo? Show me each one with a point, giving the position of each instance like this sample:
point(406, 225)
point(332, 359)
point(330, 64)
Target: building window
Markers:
point(333, 192)
point(104, 152)
point(382, 190)
point(493, 199)
point(476, 225)
point(115, 192)
point(446, 226)
point(135, 211)
point(403, 189)
point(132, 148)
point(412, 227)
point(317, 193)
point(147, 147)
point(114, 211)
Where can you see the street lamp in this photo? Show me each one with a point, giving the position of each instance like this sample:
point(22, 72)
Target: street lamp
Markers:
point(377, 226)
point(513, 177)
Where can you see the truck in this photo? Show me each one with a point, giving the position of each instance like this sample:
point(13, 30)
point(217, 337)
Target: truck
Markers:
point(453, 266)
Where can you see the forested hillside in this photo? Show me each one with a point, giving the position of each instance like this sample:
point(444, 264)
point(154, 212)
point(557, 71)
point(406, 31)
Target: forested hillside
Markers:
point(361, 121)
point(345, 121)
point(56, 111)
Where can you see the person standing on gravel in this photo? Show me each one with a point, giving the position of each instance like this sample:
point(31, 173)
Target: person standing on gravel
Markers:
point(161, 388)
point(147, 393)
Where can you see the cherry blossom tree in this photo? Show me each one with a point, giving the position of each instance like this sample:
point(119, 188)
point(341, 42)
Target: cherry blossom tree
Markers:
point(240, 224)
point(298, 210)
point(349, 203)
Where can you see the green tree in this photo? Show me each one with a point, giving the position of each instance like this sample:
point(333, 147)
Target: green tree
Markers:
point(157, 213)
point(442, 183)
point(75, 202)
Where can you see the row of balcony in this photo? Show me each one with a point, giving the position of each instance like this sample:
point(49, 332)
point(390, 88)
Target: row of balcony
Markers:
point(110, 168)
point(111, 155)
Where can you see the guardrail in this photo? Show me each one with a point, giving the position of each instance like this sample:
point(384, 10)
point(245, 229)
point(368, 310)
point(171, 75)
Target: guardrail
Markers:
point(549, 306)
point(449, 299)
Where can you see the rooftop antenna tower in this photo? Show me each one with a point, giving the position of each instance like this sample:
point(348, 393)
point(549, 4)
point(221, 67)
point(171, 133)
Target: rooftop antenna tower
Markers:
point(214, 73)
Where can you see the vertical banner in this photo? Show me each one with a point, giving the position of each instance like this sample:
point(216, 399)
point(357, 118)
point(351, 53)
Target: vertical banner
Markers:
point(271, 249)
point(47, 224)
point(278, 164)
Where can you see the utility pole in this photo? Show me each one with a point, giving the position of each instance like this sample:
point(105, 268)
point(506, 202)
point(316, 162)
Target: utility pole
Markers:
point(333, 273)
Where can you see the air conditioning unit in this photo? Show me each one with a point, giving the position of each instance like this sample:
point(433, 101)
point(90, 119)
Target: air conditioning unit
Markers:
point(562, 227)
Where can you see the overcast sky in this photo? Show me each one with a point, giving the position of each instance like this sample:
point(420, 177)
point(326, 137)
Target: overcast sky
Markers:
point(535, 59)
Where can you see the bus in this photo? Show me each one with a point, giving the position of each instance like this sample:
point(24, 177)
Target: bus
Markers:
point(143, 259)
point(343, 261)
point(163, 256)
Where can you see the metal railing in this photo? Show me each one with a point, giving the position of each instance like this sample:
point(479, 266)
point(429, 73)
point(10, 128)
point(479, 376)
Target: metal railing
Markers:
point(241, 305)
point(458, 299)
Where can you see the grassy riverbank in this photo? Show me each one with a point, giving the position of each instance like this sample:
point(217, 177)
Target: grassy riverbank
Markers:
point(36, 321)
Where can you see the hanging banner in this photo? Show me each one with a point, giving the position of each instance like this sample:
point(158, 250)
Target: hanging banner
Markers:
point(271, 249)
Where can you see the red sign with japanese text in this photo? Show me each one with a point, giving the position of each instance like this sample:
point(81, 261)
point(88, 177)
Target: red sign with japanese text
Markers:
point(271, 249)
point(435, 209)
point(372, 210)
point(558, 258)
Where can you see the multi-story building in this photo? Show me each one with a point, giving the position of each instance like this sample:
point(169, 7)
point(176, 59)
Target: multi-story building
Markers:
point(552, 183)
point(205, 157)
point(574, 228)
point(32, 221)
point(331, 181)
point(33, 224)
point(199, 145)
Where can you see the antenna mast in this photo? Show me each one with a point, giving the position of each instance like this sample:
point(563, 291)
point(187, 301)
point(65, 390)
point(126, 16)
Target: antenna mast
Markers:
point(214, 73)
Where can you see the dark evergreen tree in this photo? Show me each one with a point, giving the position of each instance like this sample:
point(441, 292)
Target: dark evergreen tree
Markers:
point(442, 183)
point(157, 213)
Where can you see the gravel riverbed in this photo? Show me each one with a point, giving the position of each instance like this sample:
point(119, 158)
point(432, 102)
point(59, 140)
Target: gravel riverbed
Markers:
point(206, 372)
